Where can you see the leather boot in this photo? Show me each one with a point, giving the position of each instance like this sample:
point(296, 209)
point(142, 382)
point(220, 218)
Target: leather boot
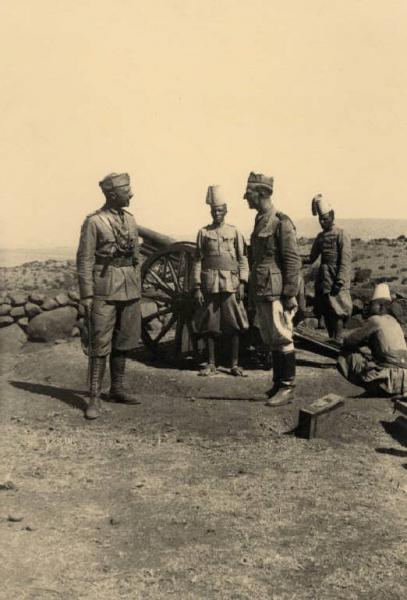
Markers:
point(117, 369)
point(276, 374)
point(285, 393)
point(97, 371)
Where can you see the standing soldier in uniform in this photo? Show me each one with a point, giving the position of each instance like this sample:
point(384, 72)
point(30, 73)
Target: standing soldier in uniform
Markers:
point(332, 296)
point(109, 284)
point(219, 273)
point(274, 283)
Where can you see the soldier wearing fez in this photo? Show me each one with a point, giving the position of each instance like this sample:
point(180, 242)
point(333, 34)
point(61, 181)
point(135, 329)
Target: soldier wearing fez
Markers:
point(109, 283)
point(219, 273)
point(274, 283)
point(332, 296)
point(374, 355)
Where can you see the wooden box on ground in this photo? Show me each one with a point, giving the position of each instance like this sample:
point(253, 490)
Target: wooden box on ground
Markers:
point(318, 419)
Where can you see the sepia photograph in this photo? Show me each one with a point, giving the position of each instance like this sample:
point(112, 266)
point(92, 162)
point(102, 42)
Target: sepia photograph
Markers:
point(203, 300)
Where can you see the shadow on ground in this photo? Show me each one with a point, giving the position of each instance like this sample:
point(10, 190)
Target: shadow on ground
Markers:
point(70, 397)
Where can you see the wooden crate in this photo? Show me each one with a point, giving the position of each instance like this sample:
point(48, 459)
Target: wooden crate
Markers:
point(319, 418)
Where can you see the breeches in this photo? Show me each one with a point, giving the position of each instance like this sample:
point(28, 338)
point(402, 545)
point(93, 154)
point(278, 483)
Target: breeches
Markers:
point(115, 325)
point(276, 326)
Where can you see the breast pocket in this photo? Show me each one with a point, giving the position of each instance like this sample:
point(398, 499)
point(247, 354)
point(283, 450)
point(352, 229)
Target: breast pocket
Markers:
point(211, 245)
point(228, 244)
point(268, 282)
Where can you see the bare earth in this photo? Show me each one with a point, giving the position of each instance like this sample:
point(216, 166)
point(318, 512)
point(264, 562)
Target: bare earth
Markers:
point(187, 496)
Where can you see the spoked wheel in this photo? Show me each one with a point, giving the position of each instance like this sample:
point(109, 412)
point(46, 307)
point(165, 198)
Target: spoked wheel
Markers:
point(167, 303)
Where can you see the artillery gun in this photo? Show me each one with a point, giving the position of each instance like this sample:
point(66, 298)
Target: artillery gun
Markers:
point(168, 303)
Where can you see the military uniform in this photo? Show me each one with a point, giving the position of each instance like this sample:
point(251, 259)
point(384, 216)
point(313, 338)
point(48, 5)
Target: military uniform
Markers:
point(108, 271)
point(220, 265)
point(334, 248)
point(275, 272)
point(275, 281)
point(109, 278)
point(332, 285)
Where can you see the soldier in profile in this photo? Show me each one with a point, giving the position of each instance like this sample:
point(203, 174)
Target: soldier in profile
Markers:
point(219, 273)
point(275, 281)
point(109, 285)
point(332, 286)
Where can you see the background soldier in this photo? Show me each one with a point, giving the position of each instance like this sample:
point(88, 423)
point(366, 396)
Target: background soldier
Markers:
point(332, 296)
point(374, 355)
point(274, 283)
point(219, 273)
point(109, 283)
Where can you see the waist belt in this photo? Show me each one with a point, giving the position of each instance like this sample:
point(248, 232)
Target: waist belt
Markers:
point(115, 261)
point(222, 262)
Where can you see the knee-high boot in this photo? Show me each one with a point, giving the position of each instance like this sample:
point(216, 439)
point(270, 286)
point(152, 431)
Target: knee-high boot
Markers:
point(117, 370)
point(285, 392)
point(276, 374)
point(97, 371)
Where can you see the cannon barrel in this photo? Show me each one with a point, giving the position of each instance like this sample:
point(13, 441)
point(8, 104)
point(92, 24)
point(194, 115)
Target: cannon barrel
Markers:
point(153, 241)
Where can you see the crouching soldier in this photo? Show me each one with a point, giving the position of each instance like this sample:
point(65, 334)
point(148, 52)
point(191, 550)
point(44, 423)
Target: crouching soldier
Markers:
point(374, 355)
point(219, 273)
point(332, 296)
point(274, 283)
point(109, 283)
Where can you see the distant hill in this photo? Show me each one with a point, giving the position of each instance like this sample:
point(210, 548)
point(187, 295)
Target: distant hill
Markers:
point(309, 227)
point(358, 228)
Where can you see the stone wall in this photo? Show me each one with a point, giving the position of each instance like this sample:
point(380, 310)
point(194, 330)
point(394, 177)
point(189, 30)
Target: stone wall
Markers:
point(42, 318)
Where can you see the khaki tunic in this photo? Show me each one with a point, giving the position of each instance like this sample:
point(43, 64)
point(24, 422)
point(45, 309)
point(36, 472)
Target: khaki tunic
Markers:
point(102, 235)
point(276, 271)
point(109, 236)
point(276, 263)
point(335, 249)
point(220, 265)
point(226, 242)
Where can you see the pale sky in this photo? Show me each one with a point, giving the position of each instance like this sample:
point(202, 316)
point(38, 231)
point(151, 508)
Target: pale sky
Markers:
point(183, 94)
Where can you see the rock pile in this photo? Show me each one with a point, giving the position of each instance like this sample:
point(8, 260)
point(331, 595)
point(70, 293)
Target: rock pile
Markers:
point(38, 317)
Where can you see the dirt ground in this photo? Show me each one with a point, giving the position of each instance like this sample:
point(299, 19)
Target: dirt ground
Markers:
point(198, 492)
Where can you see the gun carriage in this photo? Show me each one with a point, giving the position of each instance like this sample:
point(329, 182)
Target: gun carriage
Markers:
point(168, 304)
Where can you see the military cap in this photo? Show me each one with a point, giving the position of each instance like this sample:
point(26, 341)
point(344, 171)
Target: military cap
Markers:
point(114, 180)
point(320, 206)
point(260, 179)
point(215, 196)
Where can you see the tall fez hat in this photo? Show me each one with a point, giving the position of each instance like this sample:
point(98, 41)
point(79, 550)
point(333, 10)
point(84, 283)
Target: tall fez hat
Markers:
point(114, 180)
point(215, 196)
point(381, 292)
point(260, 179)
point(320, 206)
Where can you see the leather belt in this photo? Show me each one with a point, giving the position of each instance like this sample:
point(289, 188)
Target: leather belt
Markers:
point(115, 261)
point(222, 262)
